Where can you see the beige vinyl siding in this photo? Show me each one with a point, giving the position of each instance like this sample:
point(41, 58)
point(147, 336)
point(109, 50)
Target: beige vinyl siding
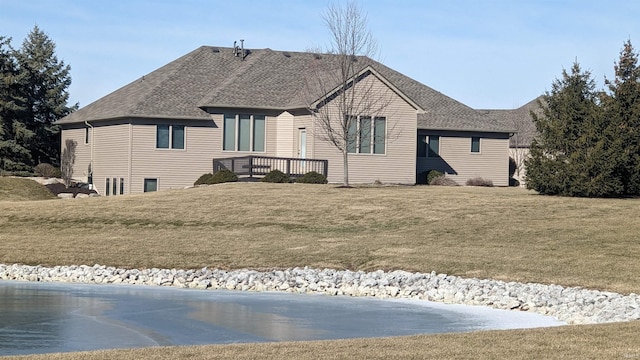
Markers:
point(110, 155)
point(284, 144)
point(83, 151)
point(398, 164)
point(460, 164)
point(174, 168)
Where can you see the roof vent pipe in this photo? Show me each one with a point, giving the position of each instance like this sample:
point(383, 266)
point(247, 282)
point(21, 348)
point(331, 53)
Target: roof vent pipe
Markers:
point(238, 51)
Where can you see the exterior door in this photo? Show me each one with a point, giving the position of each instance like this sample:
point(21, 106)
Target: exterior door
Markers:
point(302, 143)
point(302, 151)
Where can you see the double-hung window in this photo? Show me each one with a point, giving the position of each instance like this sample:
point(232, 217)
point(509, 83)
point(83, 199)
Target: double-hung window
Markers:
point(428, 145)
point(169, 136)
point(244, 133)
point(366, 135)
point(475, 144)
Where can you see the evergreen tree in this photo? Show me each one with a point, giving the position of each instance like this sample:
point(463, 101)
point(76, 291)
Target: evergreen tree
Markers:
point(45, 81)
point(14, 136)
point(623, 111)
point(570, 156)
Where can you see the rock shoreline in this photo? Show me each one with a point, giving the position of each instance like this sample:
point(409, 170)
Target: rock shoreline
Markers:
point(572, 305)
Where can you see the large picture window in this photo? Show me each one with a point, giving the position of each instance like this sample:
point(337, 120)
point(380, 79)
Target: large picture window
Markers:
point(428, 145)
point(169, 136)
point(367, 135)
point(244, 133)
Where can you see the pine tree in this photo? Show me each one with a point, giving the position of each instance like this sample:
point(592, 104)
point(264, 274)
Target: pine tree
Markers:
point(570, 156)
point(14, 136)
point(45, 81)
point(623, 111)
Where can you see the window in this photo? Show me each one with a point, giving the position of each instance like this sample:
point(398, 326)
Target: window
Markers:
point(475, 144)
point(366, 135)
point(244, 133)
point(115, 186)
point(106, 187)
point(150, 185)
point(170, 136)
point(428, 145)
point(87, 135)
point(121, 186)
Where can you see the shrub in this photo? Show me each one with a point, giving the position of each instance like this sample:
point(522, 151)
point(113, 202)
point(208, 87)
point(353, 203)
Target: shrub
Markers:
point(276, 176)
point(478, 181)
point(312, 178)
point(219, 177)
point(46, 170)
point(432, 175)
point(443, 181)
point(204, 179)
point(224, 176)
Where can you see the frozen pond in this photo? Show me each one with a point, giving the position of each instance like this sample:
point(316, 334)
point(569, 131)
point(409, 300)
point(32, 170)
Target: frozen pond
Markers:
point(57, 317)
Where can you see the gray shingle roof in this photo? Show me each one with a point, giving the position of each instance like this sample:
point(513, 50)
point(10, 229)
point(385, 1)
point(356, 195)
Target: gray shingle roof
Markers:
point(266, 79)
point(521, 120)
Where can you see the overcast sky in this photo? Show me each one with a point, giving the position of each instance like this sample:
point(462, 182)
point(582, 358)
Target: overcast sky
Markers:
point(486, 54)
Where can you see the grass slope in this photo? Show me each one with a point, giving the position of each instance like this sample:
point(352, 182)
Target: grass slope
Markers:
point(19, 189)
point(500, 233)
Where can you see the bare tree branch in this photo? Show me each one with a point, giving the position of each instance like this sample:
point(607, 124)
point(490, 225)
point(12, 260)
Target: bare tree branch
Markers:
point(346, 100)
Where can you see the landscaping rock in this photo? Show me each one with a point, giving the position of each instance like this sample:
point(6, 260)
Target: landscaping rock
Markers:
point(569, 304)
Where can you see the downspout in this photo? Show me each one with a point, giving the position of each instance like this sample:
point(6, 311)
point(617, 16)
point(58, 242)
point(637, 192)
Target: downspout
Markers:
point(90, 172)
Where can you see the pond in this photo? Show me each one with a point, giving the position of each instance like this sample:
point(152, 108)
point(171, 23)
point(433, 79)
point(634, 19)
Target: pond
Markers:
point(59, 317)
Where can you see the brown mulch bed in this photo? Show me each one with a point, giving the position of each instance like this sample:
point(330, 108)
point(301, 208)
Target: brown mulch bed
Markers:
point(59, 188)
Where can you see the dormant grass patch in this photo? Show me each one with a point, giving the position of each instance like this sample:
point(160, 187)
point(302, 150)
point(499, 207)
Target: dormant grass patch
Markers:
point(501, 233)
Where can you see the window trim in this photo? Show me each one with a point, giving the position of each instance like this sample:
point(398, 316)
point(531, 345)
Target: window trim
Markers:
point(354, 141)
point(479, 141)
point(235, 131)
point(170, 143)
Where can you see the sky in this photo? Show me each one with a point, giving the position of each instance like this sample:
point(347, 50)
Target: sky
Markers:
point(487, 54)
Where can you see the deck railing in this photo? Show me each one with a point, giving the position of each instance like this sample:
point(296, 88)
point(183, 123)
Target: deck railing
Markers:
point(254, 165)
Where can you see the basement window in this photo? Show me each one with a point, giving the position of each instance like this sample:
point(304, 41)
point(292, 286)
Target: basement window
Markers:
point(150, 185)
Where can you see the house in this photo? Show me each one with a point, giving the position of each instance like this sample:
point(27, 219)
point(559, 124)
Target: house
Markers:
point(165, 129)
point(525, 130)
